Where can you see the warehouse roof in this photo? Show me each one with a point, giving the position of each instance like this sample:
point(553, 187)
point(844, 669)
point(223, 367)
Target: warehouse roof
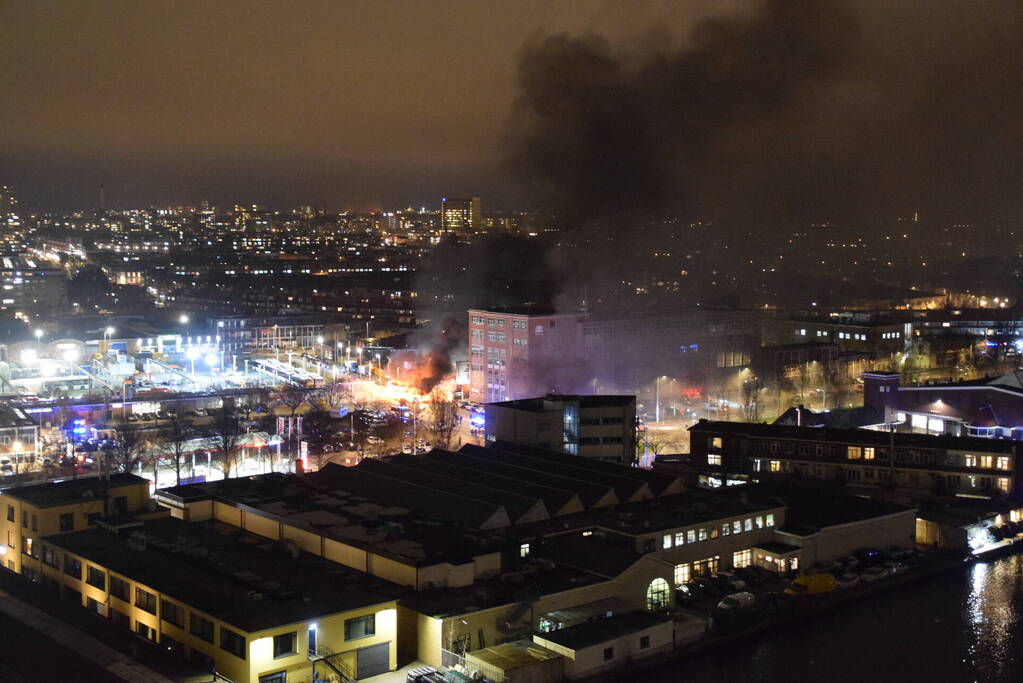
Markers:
point(854, 436)
point(602, 630)
point(243, 579)
point(67, 491)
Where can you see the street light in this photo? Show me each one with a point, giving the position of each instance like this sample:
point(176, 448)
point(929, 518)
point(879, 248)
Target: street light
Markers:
point(39, 334)
point(192, 354)
point(657, 397)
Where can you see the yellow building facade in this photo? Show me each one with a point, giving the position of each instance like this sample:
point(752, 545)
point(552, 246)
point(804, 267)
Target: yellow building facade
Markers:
point(31, 512)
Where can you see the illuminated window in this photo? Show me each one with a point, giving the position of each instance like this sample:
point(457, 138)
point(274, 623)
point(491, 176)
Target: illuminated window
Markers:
point(776, 465)
point(970, 460)
point(691, 536)
point(714, 460)
point(760, 522)
point(657, 595)
point(854, 452)
point(681, 573)
point(1002, 462)
point(1003, 484)
point(715, 442)
point(666, 541)
point(769, 520)
point(680, 538)
point(742, 558)
point(702, 535)
point(737, 526)
point(747, 525)
point(868, 453)
point(524, 550)
point(986, 461)
point(725, 529)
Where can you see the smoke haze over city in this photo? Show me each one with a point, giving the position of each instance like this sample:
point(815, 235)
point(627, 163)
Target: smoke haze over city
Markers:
point(620, 109)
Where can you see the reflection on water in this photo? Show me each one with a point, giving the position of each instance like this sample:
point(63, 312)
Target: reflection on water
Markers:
point(992, 610)
point(964, 625)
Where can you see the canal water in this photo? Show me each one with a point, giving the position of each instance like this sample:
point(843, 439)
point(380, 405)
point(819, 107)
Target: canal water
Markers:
point(963, 625)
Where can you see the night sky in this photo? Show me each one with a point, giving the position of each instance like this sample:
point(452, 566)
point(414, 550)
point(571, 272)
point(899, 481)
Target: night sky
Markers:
point(340, 103)
point(798, 107)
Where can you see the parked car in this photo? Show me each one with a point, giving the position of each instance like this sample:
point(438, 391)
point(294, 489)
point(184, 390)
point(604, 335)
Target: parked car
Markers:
point(707, 586)
point(830, 568)
point(748, 575)
point(868, 556)
point(847, 580)
point(732, 578)
point(895, 567)
point(374, 440)
point(849, 562)
point(901, 553)
point(873, 574)
point(737, 601)
point(770, 599)
point(811, 584)
point(722, 584)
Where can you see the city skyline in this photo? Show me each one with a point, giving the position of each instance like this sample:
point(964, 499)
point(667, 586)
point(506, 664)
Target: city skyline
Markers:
point(597, 111)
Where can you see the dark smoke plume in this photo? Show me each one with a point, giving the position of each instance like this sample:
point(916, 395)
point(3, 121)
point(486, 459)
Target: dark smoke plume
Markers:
point(605, 137)
point(790, 110)
point(434, 364)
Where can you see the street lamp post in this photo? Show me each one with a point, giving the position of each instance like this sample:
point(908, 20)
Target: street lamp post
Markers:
point(657, 398)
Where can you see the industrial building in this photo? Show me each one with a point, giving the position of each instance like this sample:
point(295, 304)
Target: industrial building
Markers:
point(923, 466)
point(601, 427)
point(518, 354)
point(492, 560)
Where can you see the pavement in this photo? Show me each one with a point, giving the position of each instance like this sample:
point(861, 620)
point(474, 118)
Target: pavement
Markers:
point(396, 676)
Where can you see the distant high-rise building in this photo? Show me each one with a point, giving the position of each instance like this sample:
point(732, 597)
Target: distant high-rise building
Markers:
point(460, 215)
point(8, 203)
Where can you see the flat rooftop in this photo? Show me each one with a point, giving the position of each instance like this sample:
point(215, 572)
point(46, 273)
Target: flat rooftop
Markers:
point(854, 436)
point(220, 570)
point(356, 518)
point(537, 404)
point(49, 494)
point(533, 580)
point(13, 416)
point(810, 508)
point(602, 630)
point(668, 512)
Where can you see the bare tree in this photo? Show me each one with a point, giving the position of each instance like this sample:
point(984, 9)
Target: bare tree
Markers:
point(259, 396)
point(319, 431)
point(443, 413)
point(127, 449)
point(751, 387)
point(175, 434)
point(333, 395)
point(658, 441)
point(292, 397)
point(227, 432)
